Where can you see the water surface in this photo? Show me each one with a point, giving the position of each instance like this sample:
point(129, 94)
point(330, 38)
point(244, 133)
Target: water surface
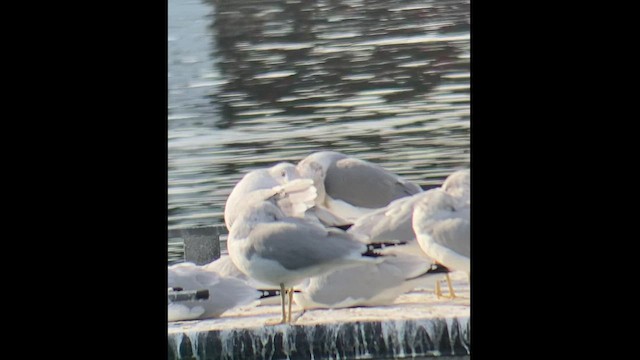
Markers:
point(255, 82)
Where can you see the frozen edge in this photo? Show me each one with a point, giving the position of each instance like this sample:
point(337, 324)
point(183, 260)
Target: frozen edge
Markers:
point(442, 336)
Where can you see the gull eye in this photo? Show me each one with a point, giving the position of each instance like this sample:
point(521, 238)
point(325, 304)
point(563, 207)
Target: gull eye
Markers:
point(283, 174)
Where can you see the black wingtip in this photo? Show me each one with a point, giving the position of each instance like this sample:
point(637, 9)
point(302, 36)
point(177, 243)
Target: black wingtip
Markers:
point(383, 245)
point(191, 295)
point(438, 268)
point(371, 248)
point(267, 293)
point(371, 253)
point(344, 227)
point(433, 269)
point(202, 294)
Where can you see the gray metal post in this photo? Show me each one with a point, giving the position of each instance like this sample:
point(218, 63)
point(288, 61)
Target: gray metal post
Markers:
point(201, 244)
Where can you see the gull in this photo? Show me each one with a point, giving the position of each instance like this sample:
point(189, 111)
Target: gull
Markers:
point(395, 221)
point(442, 224)
point(295, 195)
point(458, 185)
point(348, 188)
point(368, 284)
point(391, 223)
point(224, 292)
point(282, 251)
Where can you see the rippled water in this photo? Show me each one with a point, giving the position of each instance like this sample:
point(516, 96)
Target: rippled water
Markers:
point(255, 82)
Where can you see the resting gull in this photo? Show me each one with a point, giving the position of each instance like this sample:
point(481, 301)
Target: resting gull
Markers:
point(224, 292)
point(442, 224)
point(349, 188)
point(368, 284)
point(395, 221)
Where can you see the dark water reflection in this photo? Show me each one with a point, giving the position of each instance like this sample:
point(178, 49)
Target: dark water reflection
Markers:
point(254, 82)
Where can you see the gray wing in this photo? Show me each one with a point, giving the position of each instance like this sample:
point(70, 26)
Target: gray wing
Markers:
point(358, 285)
point(437, 215)
point(365, 184)
point(453, 233)
point(447, 224)
point(296, 244)
point(390, 223)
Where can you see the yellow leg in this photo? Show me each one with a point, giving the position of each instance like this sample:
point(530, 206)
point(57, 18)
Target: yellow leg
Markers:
point(290, 302)
point(282, 301)
point(452, 295)
point(438, 290)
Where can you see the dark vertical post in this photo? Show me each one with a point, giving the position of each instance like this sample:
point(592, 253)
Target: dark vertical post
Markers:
point(201, 244)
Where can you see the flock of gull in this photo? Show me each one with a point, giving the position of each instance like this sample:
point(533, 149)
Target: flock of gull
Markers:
point(332, 231)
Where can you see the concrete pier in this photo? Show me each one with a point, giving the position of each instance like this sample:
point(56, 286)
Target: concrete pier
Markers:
point(392, 339)
point(417, 325)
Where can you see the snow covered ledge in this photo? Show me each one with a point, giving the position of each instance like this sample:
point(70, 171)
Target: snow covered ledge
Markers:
point(417, 325)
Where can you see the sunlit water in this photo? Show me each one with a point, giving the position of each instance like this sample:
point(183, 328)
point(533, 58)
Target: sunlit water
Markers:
point(255, 82)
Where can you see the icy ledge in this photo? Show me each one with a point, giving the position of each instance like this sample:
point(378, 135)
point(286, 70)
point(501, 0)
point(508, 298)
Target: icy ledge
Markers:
point(358, 340)
point(418, 325)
